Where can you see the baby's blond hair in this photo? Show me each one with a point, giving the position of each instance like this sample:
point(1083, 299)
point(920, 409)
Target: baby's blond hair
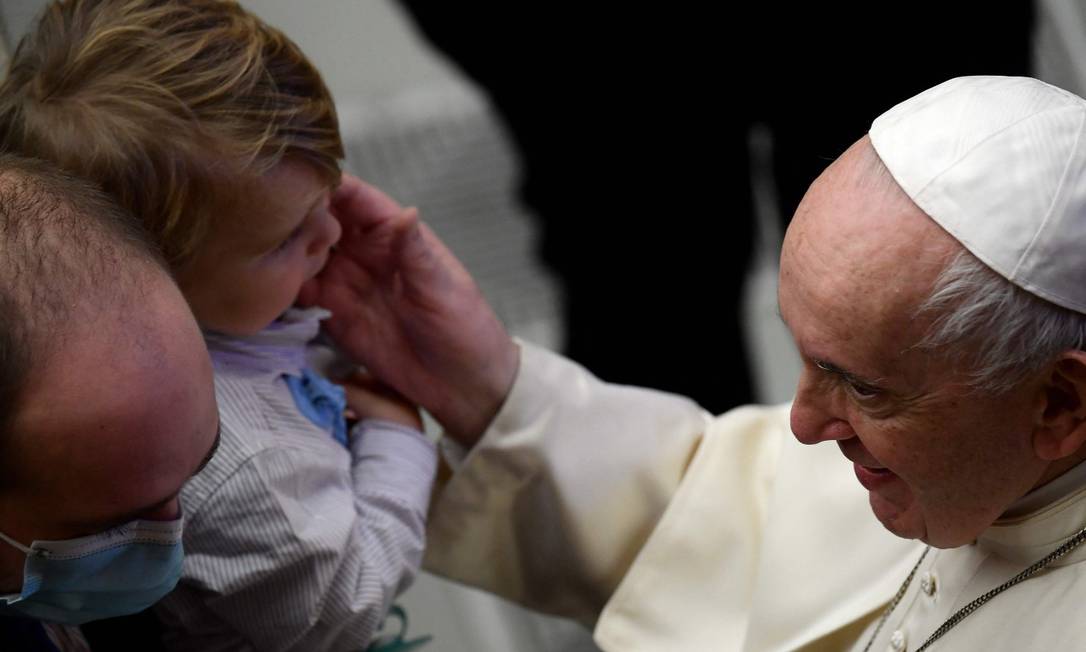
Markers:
point(168, 104)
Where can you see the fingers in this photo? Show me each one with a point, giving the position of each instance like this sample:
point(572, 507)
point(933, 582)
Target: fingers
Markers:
point(401, 257)
point(430, 273)
point(365, 381)
point(360, 206)
point(408, 247)
point(368, 398)
point(340, 271)
point(441, 255)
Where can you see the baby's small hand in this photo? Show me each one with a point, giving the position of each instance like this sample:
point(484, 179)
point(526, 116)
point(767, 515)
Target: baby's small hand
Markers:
point(369, 399)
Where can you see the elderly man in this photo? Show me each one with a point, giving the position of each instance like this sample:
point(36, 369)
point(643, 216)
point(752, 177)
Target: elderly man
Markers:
point(108, 408)
point(932, 281)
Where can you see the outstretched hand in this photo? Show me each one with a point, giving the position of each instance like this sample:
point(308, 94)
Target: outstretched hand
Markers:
point(406, 308)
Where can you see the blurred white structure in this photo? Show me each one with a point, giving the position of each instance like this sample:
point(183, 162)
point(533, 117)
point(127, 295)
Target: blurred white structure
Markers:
point(1059, 46)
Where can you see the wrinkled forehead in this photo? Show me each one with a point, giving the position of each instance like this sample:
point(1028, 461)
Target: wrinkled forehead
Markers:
point(858, 219)
point(859, 255)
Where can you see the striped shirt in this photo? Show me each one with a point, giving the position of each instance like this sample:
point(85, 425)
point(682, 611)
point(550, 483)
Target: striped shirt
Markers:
point(292, 541)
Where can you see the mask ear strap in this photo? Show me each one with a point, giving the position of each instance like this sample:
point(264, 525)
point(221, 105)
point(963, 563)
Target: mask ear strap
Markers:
point(16, 544)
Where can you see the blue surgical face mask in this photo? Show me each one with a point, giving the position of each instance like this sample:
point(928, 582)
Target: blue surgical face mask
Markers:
point(115, 573)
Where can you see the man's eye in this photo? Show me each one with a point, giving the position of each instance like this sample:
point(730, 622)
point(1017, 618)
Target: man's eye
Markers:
point(862, 391)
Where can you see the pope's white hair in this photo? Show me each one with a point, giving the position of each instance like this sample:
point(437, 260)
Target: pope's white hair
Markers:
point(1001, 332)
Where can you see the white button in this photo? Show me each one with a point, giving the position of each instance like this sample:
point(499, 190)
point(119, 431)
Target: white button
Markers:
point(927, 584)
point(897, 641)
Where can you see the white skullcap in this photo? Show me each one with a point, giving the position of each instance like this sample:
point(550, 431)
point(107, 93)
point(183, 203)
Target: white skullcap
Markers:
point(1000, 163)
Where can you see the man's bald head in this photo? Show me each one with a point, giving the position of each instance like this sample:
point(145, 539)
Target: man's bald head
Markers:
point(106, 392)
point(859, 237)
point(67, 252)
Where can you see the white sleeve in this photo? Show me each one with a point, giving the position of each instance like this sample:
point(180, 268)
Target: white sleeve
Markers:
point(550, 508)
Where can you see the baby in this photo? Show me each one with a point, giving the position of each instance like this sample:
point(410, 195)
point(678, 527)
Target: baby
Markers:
point(218, 133)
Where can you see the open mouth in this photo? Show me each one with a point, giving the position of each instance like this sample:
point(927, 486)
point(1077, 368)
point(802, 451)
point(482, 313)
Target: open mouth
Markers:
point(872, 477)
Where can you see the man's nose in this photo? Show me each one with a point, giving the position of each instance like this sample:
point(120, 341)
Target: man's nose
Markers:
point(816, 417)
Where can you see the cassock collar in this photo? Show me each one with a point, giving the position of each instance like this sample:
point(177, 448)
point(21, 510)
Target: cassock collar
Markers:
point(1042, 520)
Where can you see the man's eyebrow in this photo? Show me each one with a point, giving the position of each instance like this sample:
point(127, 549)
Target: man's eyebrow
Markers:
point(830, 367)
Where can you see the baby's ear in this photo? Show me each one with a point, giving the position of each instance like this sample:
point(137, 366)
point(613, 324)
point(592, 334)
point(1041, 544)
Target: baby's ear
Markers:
point(1060, 429)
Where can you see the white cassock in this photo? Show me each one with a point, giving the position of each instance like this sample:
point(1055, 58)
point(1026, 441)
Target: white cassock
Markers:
point(668, 529)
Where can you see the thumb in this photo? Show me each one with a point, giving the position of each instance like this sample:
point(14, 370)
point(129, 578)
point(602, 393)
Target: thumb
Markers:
point(429, 273)
point(417, 264)
point(360, 207)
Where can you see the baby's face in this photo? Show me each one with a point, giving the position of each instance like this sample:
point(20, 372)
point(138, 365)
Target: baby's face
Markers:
point(257, 258)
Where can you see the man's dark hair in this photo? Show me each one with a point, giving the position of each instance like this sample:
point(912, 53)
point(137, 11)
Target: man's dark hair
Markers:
point(66, 249)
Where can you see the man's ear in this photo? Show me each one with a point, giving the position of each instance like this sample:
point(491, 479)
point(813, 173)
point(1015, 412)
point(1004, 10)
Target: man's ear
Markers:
point(1061, 418)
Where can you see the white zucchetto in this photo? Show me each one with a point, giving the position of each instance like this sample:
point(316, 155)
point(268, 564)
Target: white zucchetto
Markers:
point(1000, 163)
